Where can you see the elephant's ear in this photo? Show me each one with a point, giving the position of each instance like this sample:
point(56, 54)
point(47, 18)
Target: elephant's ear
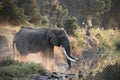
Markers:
point(51, 37)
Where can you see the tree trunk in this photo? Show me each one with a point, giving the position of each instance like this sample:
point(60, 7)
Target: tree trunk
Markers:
point(89, 21)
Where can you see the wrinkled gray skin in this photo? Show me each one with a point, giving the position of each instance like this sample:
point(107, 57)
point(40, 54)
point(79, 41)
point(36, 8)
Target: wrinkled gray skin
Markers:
point(29, 40)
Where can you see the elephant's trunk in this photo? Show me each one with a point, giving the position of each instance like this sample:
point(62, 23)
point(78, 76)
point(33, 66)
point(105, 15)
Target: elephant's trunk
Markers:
point(66, 50)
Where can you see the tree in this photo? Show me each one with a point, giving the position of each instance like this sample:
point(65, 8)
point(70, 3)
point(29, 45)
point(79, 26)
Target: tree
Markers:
point(11, 11)
point(111, 19)
point(1, 6)
point(31, 10)
point(56, 14)
point(87, 8)
point(91, 8)
point(70, 25)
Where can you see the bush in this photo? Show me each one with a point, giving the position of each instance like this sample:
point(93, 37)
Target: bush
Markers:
point(111, 72)
point(71, 25)
point(13, 12)
point(13, 69)
point(109, 39)
point(8, 61)
point(44, 20)
point(118, 46)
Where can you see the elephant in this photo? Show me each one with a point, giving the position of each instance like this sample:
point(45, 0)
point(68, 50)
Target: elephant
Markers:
point(29, 40)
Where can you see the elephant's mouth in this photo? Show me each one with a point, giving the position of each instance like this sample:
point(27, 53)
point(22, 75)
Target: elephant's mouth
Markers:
point(69, 57)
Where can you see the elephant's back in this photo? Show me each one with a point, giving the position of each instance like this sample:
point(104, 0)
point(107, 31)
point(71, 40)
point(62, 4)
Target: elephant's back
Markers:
point(30, 33)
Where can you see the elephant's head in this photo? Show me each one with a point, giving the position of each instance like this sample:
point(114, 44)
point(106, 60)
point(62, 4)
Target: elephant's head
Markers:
point(59, 38)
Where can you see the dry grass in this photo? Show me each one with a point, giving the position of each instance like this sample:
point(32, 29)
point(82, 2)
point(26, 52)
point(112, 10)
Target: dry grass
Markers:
point(106, 39)
point(8, 32)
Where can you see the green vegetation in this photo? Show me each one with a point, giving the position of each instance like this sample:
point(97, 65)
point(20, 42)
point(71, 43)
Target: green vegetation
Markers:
point(71, 25)
point(109, 42)
point(52, 13)
point(109, 11)
point(110, 71)
point(55, 13)
point(12, 12)
point(14, 69)
point(108, 39)
point(31, 10)
point(90, 9)
point(74, 16)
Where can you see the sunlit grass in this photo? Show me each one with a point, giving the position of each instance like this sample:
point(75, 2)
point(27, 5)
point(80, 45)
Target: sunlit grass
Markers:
point(108, 38)
point(109, 41)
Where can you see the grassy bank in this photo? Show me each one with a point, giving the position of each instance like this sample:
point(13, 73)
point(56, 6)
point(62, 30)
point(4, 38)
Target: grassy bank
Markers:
point(107, 40)
point(14, 69)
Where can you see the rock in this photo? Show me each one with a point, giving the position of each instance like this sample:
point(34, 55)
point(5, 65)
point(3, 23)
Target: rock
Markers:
point(80, 74)
point(13, 79)
point(70, 76)
point(35, 76)
point(43, 78)
point(51, 76)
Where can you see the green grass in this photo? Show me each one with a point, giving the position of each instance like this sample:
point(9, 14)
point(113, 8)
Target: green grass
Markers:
point(14, 69)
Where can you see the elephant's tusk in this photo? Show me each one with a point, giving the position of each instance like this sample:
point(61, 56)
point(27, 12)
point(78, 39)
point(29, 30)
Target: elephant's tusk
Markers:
point(76, 58)
point(64, 51)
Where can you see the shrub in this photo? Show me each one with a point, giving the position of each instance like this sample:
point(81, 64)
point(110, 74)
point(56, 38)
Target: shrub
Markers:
point(109, 39)
point(111, 72)
point(44, 20)
point(14, 12)
point(71, 25)
point(8, 61)
point(118, 46)
point(13, 69)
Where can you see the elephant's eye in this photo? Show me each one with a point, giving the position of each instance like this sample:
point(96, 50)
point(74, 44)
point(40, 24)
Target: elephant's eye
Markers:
point(61, 35)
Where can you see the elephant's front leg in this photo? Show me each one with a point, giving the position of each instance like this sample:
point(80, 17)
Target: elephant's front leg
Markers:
point(69, 64)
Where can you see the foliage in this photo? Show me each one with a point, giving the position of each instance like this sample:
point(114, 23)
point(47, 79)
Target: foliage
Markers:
point(111, 19)
point(108, 66)
point(56, 14)
point(77, 44)
point(11, 10)
point(94, 7)
point(7, 61)
point(70, 25)
point(108, 39)
point(31, 10)
point(1, 6)
point(88, 8)
point(18, 11)
point(80, 43)
point(44, 20)
point(111, 72)
point(117, 46)
point(14, 69)
point(56, 11)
